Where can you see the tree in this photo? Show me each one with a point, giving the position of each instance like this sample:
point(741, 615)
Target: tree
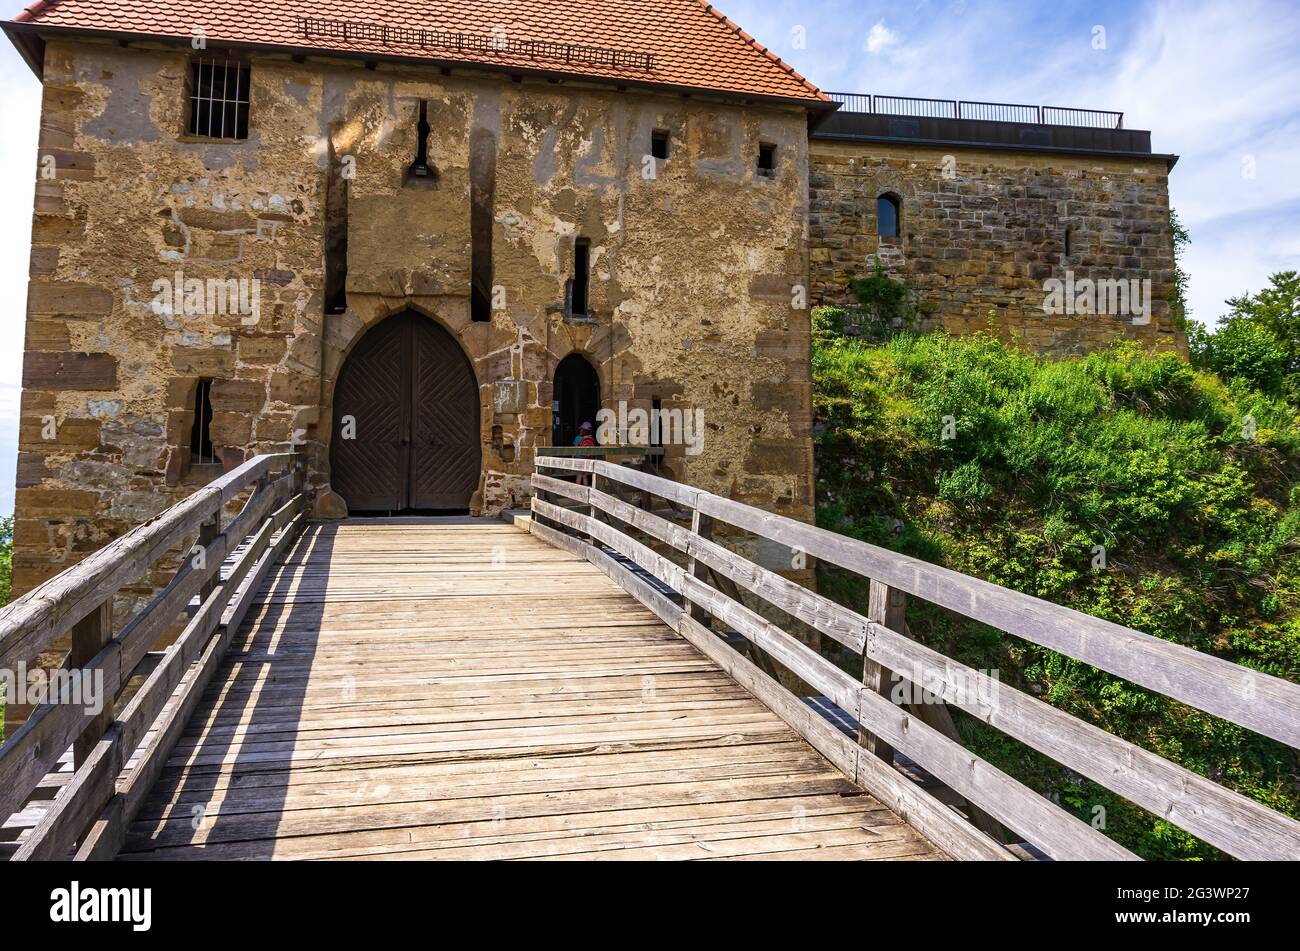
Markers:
point(1258, 340)
point(1178, 305)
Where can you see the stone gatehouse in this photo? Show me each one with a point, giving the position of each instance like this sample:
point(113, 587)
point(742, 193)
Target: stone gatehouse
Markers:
point(419, 248)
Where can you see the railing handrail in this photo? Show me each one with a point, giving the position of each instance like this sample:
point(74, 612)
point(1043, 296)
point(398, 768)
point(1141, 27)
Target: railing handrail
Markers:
point(50, 610)
point(1108, 119)
point(1220, 816)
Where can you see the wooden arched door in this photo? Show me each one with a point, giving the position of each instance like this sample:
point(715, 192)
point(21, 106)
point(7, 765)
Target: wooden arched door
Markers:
point(406, 421)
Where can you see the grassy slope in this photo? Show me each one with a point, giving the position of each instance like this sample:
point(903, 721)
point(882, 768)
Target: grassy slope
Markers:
point(1136, 453)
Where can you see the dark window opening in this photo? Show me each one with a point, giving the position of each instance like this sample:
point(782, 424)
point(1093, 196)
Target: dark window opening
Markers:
point(656, 424)
point(581, 277)
point(659, 143)
point(421, 171)
point(482, 200)
point(577, 400)
point(766, 159)
point(889, 217)
point(201, 451)
point(1069, 241)
point(336, 234)
point(218, 99)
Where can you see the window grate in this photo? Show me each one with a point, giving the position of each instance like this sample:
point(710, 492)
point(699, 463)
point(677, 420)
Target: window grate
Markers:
point(219, 99)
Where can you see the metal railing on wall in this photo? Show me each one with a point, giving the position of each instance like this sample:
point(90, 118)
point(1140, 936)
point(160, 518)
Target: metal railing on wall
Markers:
point(982, 111)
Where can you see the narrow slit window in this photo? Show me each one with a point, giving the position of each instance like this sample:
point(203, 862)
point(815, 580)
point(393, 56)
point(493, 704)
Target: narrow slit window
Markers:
point(1069, 241)
point(659, 143)
point(201, 450)
point(336, 233)
point(482, 205)
point(219, 97)
point(581, 277)
point(766, 159)
point(421, 171)
point(888, 216)
point(656, 423)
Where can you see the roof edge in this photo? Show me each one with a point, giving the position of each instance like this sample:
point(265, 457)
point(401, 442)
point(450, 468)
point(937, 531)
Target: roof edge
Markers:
point(1169, 159)
point(30, 46)
point(35, 29)
point(33, 10)
point(739, 31)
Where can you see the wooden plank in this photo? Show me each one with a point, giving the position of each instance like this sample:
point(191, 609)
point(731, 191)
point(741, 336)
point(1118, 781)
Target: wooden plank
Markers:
point(569, 490)
point(845, 626)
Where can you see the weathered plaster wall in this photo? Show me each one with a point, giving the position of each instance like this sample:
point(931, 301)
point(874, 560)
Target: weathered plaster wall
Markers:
point(982, 231)
point(692, 276)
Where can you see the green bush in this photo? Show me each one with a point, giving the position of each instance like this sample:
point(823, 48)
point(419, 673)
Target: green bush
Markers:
point(1027, 472)
point(1247, 352)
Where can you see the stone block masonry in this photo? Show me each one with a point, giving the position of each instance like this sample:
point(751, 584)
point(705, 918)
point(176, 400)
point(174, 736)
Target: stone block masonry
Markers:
point(983, 230)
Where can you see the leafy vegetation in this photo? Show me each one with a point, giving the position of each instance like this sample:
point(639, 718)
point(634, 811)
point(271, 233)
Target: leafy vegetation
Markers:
point(1258, 342)
point(1130, 486)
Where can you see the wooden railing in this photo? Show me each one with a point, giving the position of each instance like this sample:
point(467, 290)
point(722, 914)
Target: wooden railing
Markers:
point(89, 815)
point(1225, 819)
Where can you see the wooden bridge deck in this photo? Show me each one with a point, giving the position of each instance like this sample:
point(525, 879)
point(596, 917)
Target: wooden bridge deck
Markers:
point(460, 689)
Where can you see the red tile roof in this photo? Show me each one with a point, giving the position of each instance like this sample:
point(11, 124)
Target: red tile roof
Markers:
point(690, 43)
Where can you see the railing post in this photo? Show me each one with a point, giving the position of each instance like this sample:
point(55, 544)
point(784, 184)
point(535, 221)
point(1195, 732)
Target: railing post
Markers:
point(592, 511)
point(887, 607)
point(89, 636)
point(208, 532)
point(702, 526)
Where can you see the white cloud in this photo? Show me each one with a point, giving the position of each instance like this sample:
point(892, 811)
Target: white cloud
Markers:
point(880, 38)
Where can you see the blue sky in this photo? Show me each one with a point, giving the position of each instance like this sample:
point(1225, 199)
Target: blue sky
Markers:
point(1217, 83)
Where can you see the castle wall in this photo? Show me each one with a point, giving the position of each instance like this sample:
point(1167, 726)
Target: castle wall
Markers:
point(692, 281)
point(982, 231)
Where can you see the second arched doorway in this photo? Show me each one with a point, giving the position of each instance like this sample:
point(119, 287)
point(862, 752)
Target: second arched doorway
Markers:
point(406, 421)
point(576, 399)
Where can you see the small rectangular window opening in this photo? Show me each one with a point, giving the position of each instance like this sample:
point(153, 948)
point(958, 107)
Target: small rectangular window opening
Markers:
point(581, 278)
point(766, 159)
point(201, 450)
point(659, 143)
point(218, 99)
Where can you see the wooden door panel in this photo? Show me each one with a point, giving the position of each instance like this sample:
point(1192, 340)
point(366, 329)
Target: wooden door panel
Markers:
point(415, 400)
point(445, 452)
point(374, 389)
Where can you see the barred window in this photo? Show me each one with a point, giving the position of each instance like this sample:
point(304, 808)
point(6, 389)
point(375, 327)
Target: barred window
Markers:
point(218, 99)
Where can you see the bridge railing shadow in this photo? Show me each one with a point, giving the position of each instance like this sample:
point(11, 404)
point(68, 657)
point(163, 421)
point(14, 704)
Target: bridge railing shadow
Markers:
point(234, 783)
